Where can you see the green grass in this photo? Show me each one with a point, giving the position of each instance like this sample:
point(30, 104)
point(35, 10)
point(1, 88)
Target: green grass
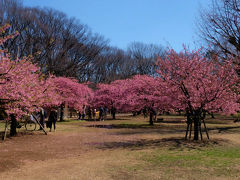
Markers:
point(135, 150)
point(211, 161)
point(205, 157)
point(2, 125)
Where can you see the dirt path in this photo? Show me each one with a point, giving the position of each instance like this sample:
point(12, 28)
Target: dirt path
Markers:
point(80, 151)
point(73, 151)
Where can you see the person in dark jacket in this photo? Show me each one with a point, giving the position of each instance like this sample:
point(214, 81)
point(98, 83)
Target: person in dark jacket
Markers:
point(52, 119)
point(79, 115)
point(101, 114)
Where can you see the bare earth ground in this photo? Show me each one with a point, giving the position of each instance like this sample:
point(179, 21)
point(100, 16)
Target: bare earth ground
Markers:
point(123, 149)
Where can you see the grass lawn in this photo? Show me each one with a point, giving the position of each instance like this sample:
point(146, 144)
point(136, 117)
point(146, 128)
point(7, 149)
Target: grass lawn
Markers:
point(126, 148)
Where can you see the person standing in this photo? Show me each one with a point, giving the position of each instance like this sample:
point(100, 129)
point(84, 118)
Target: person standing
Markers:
point(52, 119)
point(105, 111)
point(113, 112)
point(84, 112)
point(94, 114)
point(89, 113)
point(101, 114)
point(79, 115)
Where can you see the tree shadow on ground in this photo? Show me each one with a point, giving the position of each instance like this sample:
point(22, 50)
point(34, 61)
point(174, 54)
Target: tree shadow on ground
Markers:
point(131, 126)
point(120, 126)
point(224, 129)
point(170, 143)
point(107, 119)
point(180, 121)
point(131, 129)
point(157, 128)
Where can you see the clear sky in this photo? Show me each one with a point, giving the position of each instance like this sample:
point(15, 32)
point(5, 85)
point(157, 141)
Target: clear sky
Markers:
point(166, 22)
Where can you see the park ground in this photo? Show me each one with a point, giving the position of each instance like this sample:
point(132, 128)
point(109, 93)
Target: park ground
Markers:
point(126, 148)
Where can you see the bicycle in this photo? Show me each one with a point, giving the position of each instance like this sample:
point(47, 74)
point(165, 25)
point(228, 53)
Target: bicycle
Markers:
point(27, 123)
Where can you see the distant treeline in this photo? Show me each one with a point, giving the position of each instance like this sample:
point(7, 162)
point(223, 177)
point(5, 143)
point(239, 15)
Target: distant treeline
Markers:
point(65, 47)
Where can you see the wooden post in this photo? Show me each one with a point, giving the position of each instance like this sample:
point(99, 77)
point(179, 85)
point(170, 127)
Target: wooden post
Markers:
point(205, 128)
point(200, 130)
point(39, 124)
point(190, 130)
point(187, 131)
point(5, 131)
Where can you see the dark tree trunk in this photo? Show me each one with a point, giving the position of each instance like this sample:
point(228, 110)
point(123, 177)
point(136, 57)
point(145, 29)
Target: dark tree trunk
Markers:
point(13, 130)
point(212, 115)
point(196, 128)
point(61, 112)
point(113, 112)
point(151, 119)
point(113, 115)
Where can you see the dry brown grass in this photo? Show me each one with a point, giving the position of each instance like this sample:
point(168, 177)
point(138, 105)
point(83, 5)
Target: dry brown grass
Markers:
point(123, 149)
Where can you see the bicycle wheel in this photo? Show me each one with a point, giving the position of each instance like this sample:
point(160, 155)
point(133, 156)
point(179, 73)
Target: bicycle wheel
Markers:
point(30, 126)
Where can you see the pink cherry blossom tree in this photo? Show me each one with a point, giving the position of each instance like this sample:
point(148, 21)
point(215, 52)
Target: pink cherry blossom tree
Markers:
point(110, 96)
point(143, 92)
point(197, 85)
point(133, 94)
point(22, 86)
point(73, 94)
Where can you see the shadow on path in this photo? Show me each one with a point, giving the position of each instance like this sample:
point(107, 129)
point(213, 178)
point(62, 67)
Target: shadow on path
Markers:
point(224, 128)
point(133, 126)
point(131, 129)
point(171, 143)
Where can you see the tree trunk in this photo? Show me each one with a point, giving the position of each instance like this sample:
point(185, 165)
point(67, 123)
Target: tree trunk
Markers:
point(61, 112)
point(196, 127)
point(13, 130)
point(113, 112)
point(113, 115)
point(151, 119)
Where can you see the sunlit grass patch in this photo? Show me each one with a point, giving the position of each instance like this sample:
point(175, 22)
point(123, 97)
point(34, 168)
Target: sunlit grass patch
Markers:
point(217, 161)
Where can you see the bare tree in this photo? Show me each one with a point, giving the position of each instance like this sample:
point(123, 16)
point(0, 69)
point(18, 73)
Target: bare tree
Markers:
point(144, 56)
point(219, 26)
point(66, 47)
point(59, 44)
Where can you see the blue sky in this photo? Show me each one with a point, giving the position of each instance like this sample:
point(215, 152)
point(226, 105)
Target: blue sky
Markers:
point(166, 22)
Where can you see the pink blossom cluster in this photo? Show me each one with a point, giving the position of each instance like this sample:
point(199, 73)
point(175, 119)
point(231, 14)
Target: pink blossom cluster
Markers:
point(73, 94)
point(24, 89)
point(185, 81)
